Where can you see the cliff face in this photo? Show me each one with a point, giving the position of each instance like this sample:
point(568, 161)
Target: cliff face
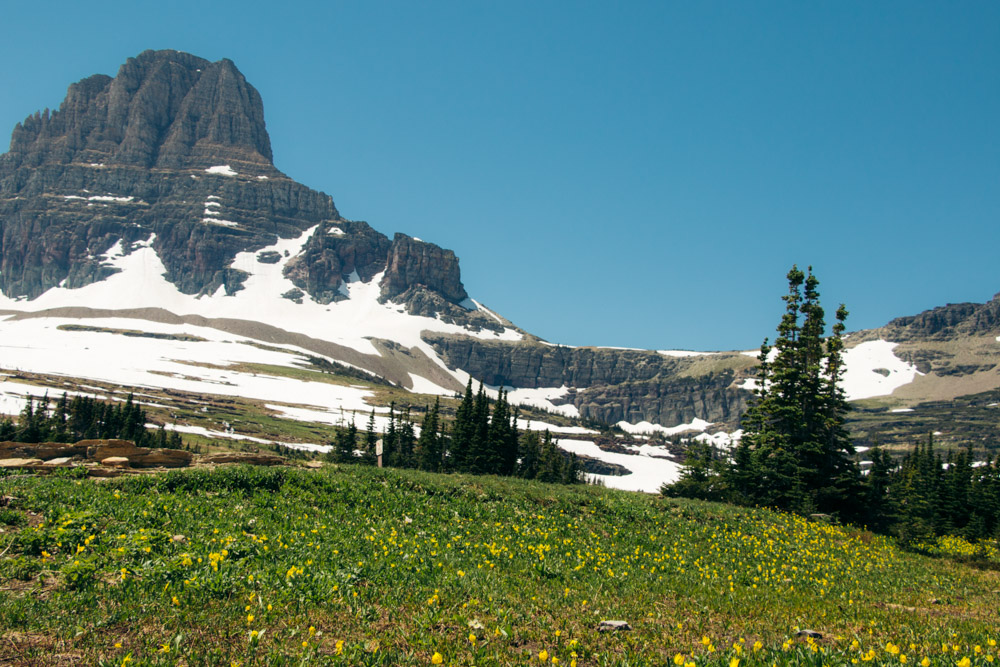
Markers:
point(948, 321)
point(615, 385)
point(176, 146)
point(414, 262)
point(164, 109)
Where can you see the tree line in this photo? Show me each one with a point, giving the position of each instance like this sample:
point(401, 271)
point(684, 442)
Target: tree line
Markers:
point(483, 439)
point(795, 453)
point(927, 494)
point(84, 418)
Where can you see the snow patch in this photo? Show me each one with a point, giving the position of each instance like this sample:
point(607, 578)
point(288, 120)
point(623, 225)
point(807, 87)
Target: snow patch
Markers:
point(722, 440)
point(872, 369)
point(422, 385)
point(647, 427)
point(647, 473)
point(222, 170)
point(897, 410)
point(527, 425)
point(542, 397)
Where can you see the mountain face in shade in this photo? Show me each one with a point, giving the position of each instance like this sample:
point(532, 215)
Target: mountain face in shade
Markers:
point(165, 109)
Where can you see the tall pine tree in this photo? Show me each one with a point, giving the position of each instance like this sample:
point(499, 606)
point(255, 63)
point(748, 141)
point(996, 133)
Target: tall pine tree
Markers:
point(795, 452)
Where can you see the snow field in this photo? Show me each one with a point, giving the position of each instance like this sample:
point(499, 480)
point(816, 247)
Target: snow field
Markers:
point(647, 472)
point(860, 362)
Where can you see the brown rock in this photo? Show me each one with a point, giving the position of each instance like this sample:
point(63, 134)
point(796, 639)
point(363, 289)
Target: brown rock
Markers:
point(165, 458)
point(61, 462)
point(250, 459)
point(40, 450)
point(19, 463)
point(116, 462)
point(102, 449)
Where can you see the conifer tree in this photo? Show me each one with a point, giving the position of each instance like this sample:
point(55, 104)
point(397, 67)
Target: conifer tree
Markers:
point(462, 431)
point(480, 460)
point(428, 450)
point(405, 440)
point(530, 454)
point(344, 444)
point(371, 437)
point(795, 452)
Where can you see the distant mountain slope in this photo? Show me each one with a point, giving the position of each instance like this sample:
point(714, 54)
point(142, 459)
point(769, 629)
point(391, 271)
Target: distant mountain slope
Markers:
point(150, 200)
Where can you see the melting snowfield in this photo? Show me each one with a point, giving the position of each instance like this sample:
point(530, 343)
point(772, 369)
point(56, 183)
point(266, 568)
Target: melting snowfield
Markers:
point(648, 472)
point(872, 369)
point(37, 345)
point(351, 322)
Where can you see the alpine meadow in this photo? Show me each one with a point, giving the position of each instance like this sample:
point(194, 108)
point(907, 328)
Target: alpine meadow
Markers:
point(238, 427)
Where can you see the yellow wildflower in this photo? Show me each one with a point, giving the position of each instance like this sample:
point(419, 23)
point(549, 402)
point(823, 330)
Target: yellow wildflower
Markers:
point(437, 658)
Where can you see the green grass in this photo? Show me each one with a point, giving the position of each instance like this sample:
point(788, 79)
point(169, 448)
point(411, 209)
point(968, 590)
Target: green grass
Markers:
point(352, 565)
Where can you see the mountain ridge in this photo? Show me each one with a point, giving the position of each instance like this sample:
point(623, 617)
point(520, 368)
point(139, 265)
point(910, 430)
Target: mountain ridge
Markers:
point(150, 200)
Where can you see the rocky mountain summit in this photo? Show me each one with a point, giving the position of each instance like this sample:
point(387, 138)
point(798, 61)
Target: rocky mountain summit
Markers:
point(174, 149)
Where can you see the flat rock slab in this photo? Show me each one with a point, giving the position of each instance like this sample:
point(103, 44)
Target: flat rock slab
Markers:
point(19, 463)
point(61, 462)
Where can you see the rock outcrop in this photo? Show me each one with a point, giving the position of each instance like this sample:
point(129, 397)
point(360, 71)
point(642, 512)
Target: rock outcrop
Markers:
point(947, 321)
point(164, 109)
point(415, 263)
point(174, 149)
point(614, 385)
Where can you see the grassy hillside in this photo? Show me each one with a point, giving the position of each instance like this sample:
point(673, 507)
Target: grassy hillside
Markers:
point(351, 565)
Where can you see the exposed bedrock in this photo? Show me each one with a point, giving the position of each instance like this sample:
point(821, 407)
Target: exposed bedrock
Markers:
point(127, 157)
point(612, 385)
point(946, 322)
point(413, 262)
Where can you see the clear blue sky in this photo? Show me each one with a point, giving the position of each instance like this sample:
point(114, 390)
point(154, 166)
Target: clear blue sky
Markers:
point(629, 174)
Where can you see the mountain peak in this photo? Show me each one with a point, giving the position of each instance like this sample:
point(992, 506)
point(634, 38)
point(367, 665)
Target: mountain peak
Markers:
point(165, 109)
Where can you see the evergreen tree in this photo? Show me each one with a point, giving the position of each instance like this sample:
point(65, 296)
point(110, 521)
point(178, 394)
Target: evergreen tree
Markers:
point(27, 424)
point(428, 450)
point(480, 459)
point(389, 453)
point(508, 446)
point(7, 430)
point(405, 440)
point(344, 443)
point(795, 452)
point(462, 431)
point(881, 510)
point(368, 456)
point(550, 461)
point(701, 475)
point(530, 454)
